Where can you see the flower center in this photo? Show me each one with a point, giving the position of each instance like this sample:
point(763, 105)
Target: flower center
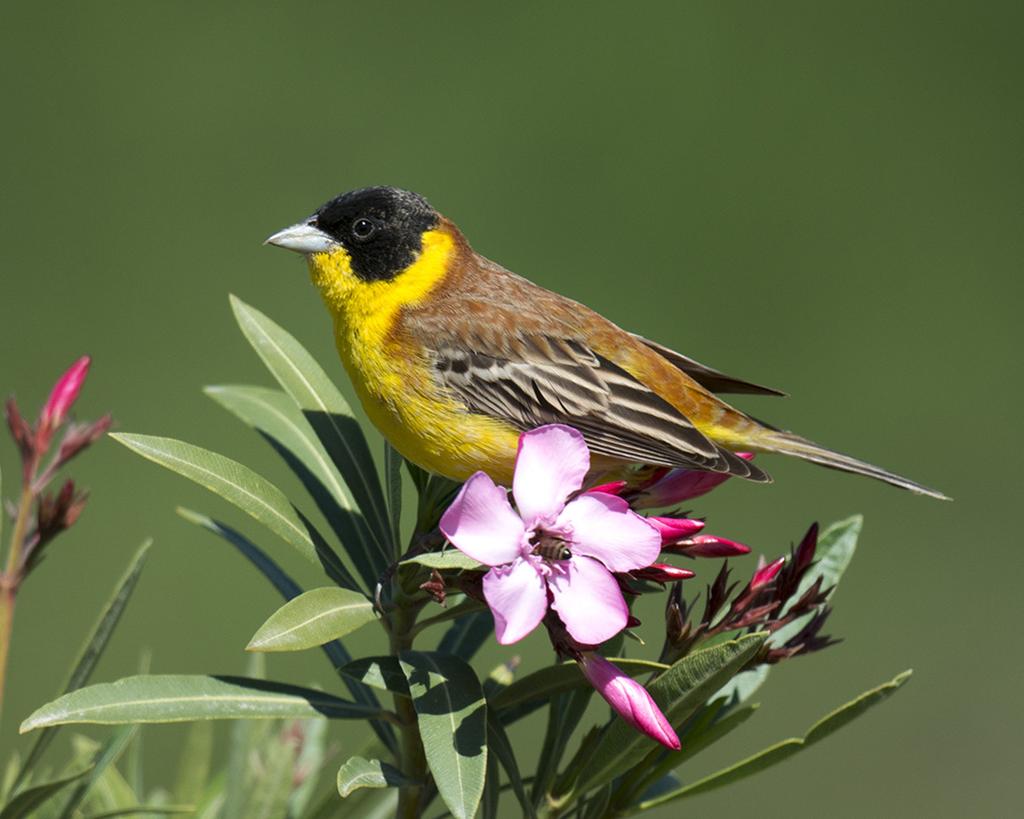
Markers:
point(550, 547)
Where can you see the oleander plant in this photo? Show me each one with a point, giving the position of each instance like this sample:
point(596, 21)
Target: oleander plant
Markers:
point(475, 562)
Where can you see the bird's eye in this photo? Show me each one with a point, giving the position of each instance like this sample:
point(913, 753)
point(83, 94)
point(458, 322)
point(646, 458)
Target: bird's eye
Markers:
point(363, 228)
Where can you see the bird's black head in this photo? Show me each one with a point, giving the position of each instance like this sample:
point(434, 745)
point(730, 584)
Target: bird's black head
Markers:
point(380, 228)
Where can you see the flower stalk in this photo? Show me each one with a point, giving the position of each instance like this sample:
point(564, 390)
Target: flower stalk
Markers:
point(53, 512)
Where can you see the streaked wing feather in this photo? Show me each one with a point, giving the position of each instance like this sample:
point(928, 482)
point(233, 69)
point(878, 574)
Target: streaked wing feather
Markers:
point(542, 380)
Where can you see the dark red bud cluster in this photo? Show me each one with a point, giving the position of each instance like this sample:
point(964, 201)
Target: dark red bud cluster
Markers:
point(767, 602)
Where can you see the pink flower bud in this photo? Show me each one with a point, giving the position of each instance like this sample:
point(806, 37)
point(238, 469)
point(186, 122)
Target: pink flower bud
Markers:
point(661, 573)
point(766, 574)
point(613, 488)
point(673, 529)
point(680, 485)
point(64, 393)
point(629, 699)
point(708, 546)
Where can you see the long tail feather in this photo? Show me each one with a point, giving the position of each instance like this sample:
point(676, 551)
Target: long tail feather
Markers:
point(787, 443)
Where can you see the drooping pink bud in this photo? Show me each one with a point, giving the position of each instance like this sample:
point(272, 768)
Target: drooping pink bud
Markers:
point(63, 395)
point(708, 546)
point(673, 529)
point(680, 485)
point(662, 573)
point(766, 574)
point(629, 699)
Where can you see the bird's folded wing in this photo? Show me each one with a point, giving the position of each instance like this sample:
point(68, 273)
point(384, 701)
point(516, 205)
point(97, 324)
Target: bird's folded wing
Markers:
point(539, 379)
point(706, 376)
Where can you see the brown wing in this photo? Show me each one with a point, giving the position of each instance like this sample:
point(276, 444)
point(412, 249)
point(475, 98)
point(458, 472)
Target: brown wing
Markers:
point(536, 379)
point(708, 377)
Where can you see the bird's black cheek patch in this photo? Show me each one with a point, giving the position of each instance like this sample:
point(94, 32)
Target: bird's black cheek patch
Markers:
point(384, 257)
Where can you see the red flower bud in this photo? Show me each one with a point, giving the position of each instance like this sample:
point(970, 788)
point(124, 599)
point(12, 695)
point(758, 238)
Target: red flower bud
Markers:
point(708, 546)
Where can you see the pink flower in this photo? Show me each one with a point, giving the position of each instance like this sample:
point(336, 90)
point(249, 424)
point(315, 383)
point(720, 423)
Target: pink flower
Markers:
point(554, 547)
point(673, 529)
point(64, 393)
point(679, 485)
point(628, 698)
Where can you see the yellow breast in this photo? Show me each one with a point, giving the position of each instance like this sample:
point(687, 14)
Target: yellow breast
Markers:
point(394, 380)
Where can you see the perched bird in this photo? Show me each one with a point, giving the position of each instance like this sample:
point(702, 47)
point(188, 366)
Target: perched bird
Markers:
point(453, 356)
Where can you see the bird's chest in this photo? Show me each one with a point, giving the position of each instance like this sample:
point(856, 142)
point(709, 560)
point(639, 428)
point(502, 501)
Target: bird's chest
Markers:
point(396, 384)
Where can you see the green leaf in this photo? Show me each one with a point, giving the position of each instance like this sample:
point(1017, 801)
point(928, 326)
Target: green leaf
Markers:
point(543, 684)
point(359, 773)
point(715, 721)
point(251, 493)
point(289, 589)
point(787, 748)
point(384, 673)
point(277, 418)
point(312, 619)
point(93, 647)
point(393, 483)
point(498, 743)
point(144, 810)
point(450, 559)
point(452, 716)
point(326, 410)
point(465, 636)
point(194, 765)
point(108, 754)
point(679, 691)
point(185, 697)
point(24, 805)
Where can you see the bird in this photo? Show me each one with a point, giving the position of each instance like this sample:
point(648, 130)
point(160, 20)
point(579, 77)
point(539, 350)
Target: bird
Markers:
point(453, 357)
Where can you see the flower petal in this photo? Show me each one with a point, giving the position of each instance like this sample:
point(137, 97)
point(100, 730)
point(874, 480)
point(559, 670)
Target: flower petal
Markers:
point(552, 462)
point(603, 526)
point(482, 524)
point(588, 600)
point(518, 599)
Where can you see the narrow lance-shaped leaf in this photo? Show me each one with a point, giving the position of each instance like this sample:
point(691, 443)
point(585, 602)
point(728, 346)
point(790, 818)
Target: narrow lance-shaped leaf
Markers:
point(336, 652)
point(184, 697)
point(452, 717)
point(393, 484)
point(144, 810)
point(359, 773)
point(194, 764)
point(323, 405)
point(109, 753)
point(465, 636)
point(785, 749)
point(26, 803)
point(500, 748)
point(679, 691)
point(450, 559)
point(93, 648)
point(277, 418)
point(312, 619)
point(250, 492)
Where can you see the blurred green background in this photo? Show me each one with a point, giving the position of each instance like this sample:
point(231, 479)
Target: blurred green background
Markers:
point(821, 197)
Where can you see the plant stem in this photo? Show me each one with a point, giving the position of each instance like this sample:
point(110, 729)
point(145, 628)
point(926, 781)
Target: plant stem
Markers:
point(412, 762)
point(10, 579)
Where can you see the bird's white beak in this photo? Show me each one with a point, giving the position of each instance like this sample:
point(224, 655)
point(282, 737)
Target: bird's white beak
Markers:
point(302, 238)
